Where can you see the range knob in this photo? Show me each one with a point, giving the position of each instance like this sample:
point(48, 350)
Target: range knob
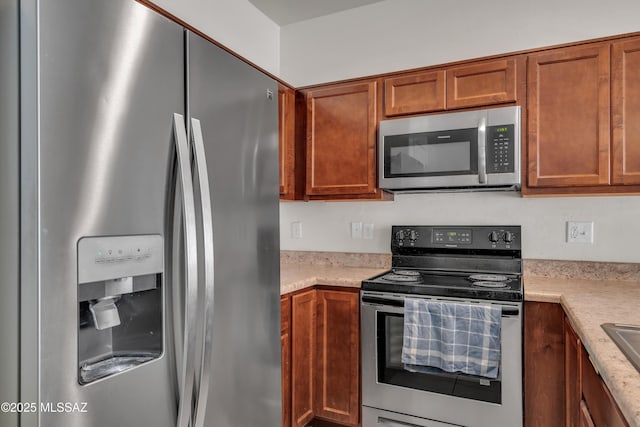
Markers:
point(413, 235)
point(494, 237)
point(508, 236)
point(400, 235)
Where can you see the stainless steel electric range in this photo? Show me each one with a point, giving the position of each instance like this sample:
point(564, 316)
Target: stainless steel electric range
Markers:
point(465, 264)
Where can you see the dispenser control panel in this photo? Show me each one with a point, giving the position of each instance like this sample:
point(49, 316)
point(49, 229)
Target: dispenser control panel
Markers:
point(112, 257)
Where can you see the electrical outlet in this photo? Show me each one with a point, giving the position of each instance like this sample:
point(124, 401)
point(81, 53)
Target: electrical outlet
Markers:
point(367, 231)
point(296, 230)
point(356, 230)
point(579, 232)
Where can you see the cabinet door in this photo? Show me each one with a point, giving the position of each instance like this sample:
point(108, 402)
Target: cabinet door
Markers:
point(303, 340)
point(285, 341)
point(601, 405)
point(341, 130)
point(585, 416)
point(416, 93)
point(568, 106)
point(338, 375)
point(286, 140)
point(543, 364)
point(481, 84)
point(573, 386)
point(625, 66)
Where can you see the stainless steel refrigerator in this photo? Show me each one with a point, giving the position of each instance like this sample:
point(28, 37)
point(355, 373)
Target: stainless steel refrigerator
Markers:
point(139, 248)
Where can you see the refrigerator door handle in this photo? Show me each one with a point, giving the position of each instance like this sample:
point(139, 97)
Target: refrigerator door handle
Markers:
point(209, 270)
point(186, 369)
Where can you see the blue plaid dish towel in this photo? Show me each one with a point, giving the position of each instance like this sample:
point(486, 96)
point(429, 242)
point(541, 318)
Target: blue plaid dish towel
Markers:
point(454, 337)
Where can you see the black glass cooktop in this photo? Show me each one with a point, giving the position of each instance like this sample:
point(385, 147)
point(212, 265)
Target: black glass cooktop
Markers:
point(504, 287)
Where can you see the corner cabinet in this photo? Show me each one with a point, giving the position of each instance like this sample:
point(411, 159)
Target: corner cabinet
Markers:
point(341, 141)
point(323, 364)
point(561, 385)
point(583, 115)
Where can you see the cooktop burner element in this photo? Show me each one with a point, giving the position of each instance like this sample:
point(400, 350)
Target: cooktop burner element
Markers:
point(480, 262)
point(487, 284)
point(397, 277)
point(488, 278)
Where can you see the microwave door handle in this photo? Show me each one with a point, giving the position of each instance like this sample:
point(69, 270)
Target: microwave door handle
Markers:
point(482, 150)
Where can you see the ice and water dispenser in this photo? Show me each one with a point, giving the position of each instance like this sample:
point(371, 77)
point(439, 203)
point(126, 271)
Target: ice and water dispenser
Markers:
point(120, 304)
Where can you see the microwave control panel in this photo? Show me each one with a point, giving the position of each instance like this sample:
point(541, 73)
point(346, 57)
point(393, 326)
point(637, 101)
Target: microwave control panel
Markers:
point(500, 149)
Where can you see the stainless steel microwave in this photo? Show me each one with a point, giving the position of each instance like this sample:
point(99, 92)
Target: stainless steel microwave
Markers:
point(470, 150)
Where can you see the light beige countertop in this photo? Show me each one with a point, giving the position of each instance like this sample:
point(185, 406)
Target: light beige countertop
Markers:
point(588, 304)
point(294, 276)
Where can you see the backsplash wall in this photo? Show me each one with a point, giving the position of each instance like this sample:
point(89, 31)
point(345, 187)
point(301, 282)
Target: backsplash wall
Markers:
point(326, 226)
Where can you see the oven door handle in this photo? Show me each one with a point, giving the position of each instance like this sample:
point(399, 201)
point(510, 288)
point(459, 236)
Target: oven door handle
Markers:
point(383, 301)
point(506, 311)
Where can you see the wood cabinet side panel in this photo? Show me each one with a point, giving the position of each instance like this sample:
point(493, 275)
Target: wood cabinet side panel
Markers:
point(544, 394)
point(625, 112)
point(572, 376)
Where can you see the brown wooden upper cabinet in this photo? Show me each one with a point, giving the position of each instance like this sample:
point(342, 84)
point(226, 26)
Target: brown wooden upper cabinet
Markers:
point(584, 118)
point(286, 141)
point(625, 117)
point(341, 141)
point(481, 84)
point(470, 85)
point(416, 93)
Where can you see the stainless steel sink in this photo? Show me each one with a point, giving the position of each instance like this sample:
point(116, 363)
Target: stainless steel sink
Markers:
point(627, 337)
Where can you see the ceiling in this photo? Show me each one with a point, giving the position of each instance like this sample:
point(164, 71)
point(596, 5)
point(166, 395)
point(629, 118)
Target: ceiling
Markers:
point(284, 12)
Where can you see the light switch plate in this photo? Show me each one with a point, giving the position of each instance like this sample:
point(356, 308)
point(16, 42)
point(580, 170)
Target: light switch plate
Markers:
point(356, 230)
point(580, 232)
point(367, 231)
point(296, 230)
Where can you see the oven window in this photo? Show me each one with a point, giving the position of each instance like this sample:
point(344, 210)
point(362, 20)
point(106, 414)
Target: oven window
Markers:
point(391, 371)
point(431, 153)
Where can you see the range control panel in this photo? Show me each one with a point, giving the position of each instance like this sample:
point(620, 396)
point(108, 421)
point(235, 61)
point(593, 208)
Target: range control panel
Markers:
point(466, 237)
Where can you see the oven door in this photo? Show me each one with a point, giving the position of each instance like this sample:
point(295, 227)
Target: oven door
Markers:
point(458, 399)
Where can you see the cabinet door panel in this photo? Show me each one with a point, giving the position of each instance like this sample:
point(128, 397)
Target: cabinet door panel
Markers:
point(338, 375)
point(568, 105)
point(303, 340)
point(286, 140)
point(625, 106)
point(285, 342)
point(417, 93)
point(601, 405)
point(573, 385)
point(482, 84)
point(543, 364)
point(341, 129)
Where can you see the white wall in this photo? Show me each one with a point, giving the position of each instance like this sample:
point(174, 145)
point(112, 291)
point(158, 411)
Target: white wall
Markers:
point(402, 34)
point(326, 225)
point(236, 24)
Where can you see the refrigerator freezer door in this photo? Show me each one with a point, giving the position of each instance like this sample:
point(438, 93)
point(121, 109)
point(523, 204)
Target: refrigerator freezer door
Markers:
point(108, 76)
point(237, 109)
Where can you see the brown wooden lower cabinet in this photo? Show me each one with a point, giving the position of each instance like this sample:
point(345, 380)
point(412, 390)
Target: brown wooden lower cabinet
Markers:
point(285, 342)
point(543, 365)
point(324, 357)
point(561, 386)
